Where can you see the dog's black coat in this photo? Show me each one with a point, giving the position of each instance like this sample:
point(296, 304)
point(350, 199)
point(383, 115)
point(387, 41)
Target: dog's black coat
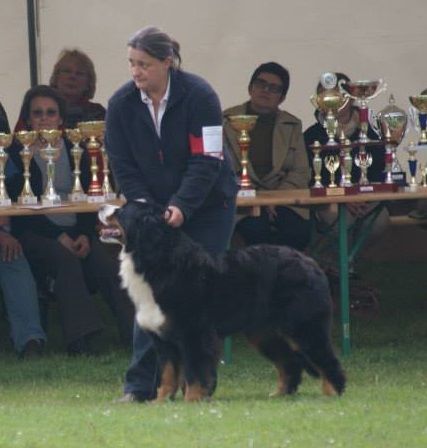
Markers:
point(278, 297)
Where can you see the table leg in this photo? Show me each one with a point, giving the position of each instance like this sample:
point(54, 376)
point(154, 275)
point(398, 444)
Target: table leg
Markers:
point(344, 280)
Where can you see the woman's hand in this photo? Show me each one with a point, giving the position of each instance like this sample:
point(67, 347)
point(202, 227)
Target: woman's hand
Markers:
point(10, 247)
point(67, 242)
point(81, 246)
point(174, 216)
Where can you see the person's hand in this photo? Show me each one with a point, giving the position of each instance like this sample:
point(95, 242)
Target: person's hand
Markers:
point(81, 246)
point(67, 242)
point(271, 212)
point(358, 209)
point(174, 216)
point(10, 247)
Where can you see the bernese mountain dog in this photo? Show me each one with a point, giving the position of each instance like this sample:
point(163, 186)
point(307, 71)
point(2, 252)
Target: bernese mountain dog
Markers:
point(188, 300)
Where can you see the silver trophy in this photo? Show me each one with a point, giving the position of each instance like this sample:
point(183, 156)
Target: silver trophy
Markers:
point(362, 92)
point(391, 125)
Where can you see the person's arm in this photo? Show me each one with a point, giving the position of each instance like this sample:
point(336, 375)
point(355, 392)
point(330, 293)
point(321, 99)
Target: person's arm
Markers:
point(4, 123)
point(202, 169)
point(298, 176)
point(10, 248)
point(123, 164)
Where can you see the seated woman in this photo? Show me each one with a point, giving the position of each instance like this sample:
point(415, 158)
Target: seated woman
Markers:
point(74, 78)
point(64, 246)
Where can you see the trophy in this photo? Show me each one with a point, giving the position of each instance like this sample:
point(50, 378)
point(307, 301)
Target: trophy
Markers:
point(346, 162)
point(419, 102)
point(316, 147)
point(77, 193)
point(412, 162)
point(26, 138)
point(423, 169)
point(330, 101)
point(363, 92)
point(243, 124)
point(5, 142)
point(363, 160)
point(50, 153)
point(391, 124)
point(93, 131)
point(107, 189)
point(332, 164)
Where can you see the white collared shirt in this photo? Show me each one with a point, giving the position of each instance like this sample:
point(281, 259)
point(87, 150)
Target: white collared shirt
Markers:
point(162, 107)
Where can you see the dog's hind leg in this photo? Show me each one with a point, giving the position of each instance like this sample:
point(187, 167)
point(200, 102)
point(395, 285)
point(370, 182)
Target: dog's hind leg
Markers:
point(315, 344)
point(288, 362)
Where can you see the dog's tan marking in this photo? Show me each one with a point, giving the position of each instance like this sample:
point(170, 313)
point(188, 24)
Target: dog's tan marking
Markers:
point(169, 383)
point(195, 392)
point(282, 382)
point(327, 388)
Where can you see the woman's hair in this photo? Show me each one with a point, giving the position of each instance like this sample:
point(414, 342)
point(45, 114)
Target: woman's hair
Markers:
point(44, 92)
point(157, 44)
point(86, 64)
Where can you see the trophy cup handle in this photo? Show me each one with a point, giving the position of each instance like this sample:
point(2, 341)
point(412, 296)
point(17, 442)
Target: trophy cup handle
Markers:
point(314, 101)
point(413, 118)
point(382, 87)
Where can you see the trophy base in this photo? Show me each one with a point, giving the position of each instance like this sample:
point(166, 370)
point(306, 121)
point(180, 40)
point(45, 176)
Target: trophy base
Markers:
point(5, 202)
point(399, 178)
point(27, 200)
point(246, 193)
point(110, 196)
point(50, 202)
point(77, 197)
point(378, 188)
point(95, 199)
point(333, 191)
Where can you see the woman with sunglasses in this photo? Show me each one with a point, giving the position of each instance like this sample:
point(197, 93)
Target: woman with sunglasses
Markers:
point(64, 247)
point(277, 159)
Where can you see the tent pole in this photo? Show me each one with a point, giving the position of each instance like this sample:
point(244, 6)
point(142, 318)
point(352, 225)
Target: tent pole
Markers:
point(32, 9)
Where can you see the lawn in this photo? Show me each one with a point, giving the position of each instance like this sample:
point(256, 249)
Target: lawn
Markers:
point(67, 402)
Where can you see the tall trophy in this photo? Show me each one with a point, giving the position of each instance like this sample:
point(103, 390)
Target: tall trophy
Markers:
point(50, 153)
point(77, 193)
point(329, 102)
point(5, 142)
point(419, 102)
point(27, 138)
point(107, 189)
point(391, 124)
point(363, 92)
point(93, 132)
point(412, 162)
point(243, 124)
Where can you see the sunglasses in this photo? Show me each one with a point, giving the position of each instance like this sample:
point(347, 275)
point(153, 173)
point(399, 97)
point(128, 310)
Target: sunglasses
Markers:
point(261, 84)
point(39, 113)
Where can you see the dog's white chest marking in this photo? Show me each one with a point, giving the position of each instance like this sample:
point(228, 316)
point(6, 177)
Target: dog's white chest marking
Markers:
point(148, 314)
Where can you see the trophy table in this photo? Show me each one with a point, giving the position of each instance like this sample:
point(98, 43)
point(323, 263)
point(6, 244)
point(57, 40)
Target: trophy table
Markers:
point(243, 124)
point(5, 142)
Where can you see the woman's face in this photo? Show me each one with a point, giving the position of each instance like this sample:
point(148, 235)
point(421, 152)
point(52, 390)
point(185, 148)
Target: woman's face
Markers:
point(72, 80)
point(149, 74)
point(44, 114)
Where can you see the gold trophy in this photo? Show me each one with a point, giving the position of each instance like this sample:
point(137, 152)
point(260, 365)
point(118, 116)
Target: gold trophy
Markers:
point(27, 138)
point(363, 160)
point(332, 164)
point(50, 153)
point(391, 124)
point(5, 142)
point(107, 189)
point(329, 102)
point(77, 193)
point(419, 102)
point(93, 131)
point(316, 147)
point(346, 162)
point(363, 92)
point(243, 124)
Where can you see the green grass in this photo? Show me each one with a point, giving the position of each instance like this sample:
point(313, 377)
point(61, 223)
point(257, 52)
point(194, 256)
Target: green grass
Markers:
point(62, 402)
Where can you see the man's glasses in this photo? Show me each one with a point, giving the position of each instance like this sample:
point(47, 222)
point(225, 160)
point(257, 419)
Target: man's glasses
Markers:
point(39, 113)
point(262, 84)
